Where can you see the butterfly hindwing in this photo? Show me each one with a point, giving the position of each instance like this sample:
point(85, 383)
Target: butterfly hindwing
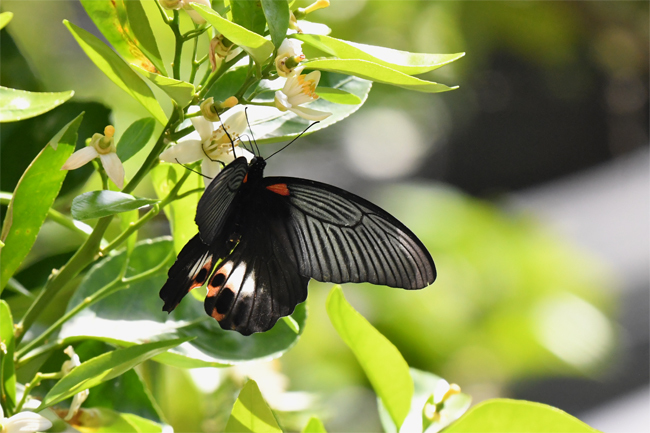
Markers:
point(339, 237)
point(215, 204)
point(258, 282)
point(191, 269)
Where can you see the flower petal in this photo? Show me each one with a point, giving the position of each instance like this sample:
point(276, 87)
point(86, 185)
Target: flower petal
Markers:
point(80, 157)
point(281, 101)
point(185, 152)
point(235, 120)
point(202, 125)
point(26, 422)
point(210, 170)
point(114, 168)
point(309, 114)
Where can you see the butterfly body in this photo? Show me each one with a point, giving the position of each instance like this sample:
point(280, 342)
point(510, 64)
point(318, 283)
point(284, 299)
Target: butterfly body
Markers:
point(267, 236)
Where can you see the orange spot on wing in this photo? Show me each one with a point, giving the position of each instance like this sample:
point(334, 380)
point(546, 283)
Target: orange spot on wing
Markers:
point(279, 188)
point(246, 178)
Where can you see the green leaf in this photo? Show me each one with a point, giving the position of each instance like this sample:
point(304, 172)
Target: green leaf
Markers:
point(126, 219)
point(248, 14)
point(5, 17)
point(33, 197)
point(402, 61)
point(378, 73)
point(251, 413)
point(277, 16)
point(19, 104)
point(144, 37)
point(270, 125)
point(338, 96)
point(97, 204)
point(105, 367)
point(180, 213)
point(257, 46)
point(179, 91)
point(125, 26)
point(135, 138)
point(117, 70)
point(510, 416)
point(228, 84)
point(314, 425)
point(387, 371)
point(7, 368)
point(134, 315)
point(424, 386)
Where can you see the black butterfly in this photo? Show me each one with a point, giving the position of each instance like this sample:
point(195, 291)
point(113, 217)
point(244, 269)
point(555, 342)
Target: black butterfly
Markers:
point(272, 234)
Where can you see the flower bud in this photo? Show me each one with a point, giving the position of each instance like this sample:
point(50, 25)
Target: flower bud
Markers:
point(219, 48)
point(104, 144)
point(230, 102)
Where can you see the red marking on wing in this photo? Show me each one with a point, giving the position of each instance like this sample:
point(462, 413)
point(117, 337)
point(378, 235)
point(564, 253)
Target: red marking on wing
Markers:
point(279, 188)
point(245, 178)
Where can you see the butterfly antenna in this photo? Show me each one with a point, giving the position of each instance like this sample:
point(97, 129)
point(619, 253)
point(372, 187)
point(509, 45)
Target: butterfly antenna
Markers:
point(194, 171)
point(251, 130)
point(288, 144)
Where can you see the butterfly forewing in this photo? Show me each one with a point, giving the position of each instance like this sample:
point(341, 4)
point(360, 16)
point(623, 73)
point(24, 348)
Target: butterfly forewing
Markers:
point(216, 204)
point(339, 237)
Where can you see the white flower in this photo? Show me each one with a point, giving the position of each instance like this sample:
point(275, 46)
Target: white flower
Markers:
point(66, 368)
point(300, 89)
point(210, 144)
point(434, 410)
point(289, 55)
point(23, 422)
point(102, 146)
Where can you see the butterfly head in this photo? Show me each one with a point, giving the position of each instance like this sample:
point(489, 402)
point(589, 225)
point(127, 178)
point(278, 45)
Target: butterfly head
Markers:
point(256, 168)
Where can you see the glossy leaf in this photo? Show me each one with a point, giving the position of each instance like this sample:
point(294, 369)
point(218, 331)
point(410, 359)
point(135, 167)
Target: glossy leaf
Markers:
point(378, 73)
point(135, 138)
point(271, 125)
point(5, 17)
point(125, 26)
point(97, 204)
point(117, 70)
point(251, 413)
point(402, 61)
point(248, 14)
point(424, 386)
point(257, 46)
point(7, 368)
point(19, 104)
point(134, 315)
point(338, 96)
point(105, 367)
point(180, 213)
point(511, 416)
point(314, 425)
point(277, 17)
point(33, 197)
point(179, 91)
point(384, 366)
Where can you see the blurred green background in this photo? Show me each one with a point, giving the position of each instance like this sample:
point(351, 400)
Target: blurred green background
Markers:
point(506, 180)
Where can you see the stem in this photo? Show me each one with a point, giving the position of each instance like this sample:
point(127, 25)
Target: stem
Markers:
point(38, 378)
point(178, 46)
point(112, 287)
point(180, 134)
point(195, 64)
point(163, 13)
point(190, 192)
